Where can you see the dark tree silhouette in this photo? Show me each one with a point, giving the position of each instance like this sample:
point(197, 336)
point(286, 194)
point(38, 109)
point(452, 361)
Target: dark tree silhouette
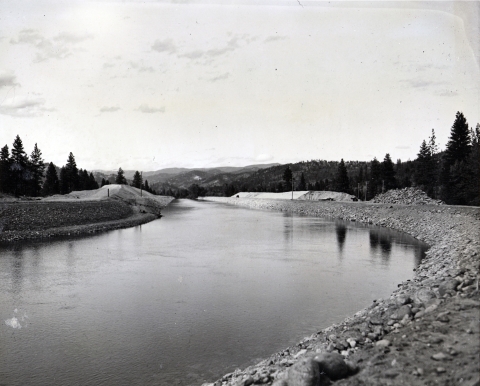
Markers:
point(37, 167)
point(51, 185)
point(5, 161)
point(287, 177)
point(120, 178)
point(18, 167)
point(137, 180)
point(388, 174)
point(342, 181)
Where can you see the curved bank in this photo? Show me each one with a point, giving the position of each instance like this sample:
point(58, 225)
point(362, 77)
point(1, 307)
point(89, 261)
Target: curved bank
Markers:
point(426, 332)
point(30, 220)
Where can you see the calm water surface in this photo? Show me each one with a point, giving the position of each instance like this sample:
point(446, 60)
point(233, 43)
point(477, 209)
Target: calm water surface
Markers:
point(187, 298)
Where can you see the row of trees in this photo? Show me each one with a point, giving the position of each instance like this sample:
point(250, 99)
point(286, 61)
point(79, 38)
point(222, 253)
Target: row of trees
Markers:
point(24, 175)
point(451, 175)
point(137, 181)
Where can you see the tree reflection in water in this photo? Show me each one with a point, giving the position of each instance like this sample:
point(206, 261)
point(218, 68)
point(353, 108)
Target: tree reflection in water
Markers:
point(341, 231)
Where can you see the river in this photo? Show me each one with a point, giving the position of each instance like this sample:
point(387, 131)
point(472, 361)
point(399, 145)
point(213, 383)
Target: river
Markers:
point(186, 298)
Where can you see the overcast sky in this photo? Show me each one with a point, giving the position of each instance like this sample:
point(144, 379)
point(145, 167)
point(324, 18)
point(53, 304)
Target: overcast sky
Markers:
point(152, 84)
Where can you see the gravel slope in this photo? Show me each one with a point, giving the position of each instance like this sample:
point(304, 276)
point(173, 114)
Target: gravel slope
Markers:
point(425, 333)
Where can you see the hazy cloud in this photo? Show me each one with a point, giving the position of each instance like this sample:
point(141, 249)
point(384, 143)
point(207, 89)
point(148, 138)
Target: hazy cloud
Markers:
point(7, 79)
point(109, 109)
point(448, 93)
point(165, 45)
point(140, 67)
point(220, 77)
point(274, 38)
point(23, 107)
point(59, 47)
point(150, 110)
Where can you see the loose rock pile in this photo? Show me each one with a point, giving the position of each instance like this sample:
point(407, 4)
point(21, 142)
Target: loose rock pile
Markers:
point(406, 196)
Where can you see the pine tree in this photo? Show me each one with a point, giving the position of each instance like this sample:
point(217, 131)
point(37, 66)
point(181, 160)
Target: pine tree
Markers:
point(18, 167)
point(454, 176)
point(64, 182)
point(375, 180)
point(120, 178)
point(388, 174)
point(5, 180)
point(287, 177)
point(137, 180)
point(37, 168)
point(423, 165)
point(51, 185)
point(72, 178)
point(342, 181)
point(302, 185)
point(92, 183)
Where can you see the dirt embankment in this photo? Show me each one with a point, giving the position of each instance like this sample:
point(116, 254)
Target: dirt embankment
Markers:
point(22, 220)
point(426, 333)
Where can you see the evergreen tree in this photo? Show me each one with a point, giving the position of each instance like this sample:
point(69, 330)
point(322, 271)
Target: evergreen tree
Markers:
point(51, 185)
point(64, 183)
point(5, 180)
point(37, 168)
point(342, 181)
point(388, 174)
point(458, 145)
point(302, 185)
point(71, 173)
point(92, 183)
point(147, 187)
point(375, 180)
point(137, 180)
point(423, 166)
point(120, 178)
point(104, 182)
point(287, 177)
point(454, 176)
point(18, 167)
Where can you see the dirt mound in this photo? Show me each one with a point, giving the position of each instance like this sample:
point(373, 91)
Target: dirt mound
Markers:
point(406, 196)
point(299, 195)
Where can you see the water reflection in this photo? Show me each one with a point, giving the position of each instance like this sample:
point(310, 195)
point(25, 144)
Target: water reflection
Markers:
point(341, 231)
point(17, 269)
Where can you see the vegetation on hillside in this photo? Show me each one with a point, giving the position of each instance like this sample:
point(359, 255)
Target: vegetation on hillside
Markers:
point(451, 175)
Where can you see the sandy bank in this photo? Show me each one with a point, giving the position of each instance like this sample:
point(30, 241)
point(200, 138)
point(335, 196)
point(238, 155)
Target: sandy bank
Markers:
point(425, 333)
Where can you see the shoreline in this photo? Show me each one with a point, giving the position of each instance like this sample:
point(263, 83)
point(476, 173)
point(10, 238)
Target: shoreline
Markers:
point(425, 332)
point(44, 220)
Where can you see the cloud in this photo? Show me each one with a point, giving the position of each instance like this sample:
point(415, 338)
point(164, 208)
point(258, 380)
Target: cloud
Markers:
point(140, 67)
point(448, 93)
point(59, 47)
point(263, 158)
point(166, 45)
point(24, 107)
point(7, 79)
point(232, 45)
point(220, 77)
point(274, 38)
point(109, 109)
point(150, 110)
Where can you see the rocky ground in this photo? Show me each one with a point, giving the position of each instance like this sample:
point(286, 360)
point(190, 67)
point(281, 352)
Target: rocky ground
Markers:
point(406, 196)
point(36, 219)
point(426, 333)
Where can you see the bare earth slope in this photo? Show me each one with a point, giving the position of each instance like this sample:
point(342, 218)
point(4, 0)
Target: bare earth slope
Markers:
point(425, 333)
point(83, 212)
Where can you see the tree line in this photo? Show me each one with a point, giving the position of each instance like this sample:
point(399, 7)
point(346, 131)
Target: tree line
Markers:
point(24, 175)
point(28, 175)
point(451, 175)
point(137, 181)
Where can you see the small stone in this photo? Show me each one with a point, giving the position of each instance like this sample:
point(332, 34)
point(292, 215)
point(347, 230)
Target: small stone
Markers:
point(419, 371)
point(423, 295)
point(382, 343)
point(304, 373)
point(439, 356)
point(333, 365)
point(440, 370)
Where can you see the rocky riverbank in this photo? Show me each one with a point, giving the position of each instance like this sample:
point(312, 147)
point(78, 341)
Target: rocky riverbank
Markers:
point(426, 333)
point(27, 220)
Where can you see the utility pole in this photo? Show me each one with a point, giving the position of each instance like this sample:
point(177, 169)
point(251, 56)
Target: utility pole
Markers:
point(292, 185)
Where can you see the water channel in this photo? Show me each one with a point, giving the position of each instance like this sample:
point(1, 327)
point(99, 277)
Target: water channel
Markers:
point(184, 299)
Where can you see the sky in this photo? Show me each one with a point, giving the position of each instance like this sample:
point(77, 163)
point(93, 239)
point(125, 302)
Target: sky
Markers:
point(146, 85)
